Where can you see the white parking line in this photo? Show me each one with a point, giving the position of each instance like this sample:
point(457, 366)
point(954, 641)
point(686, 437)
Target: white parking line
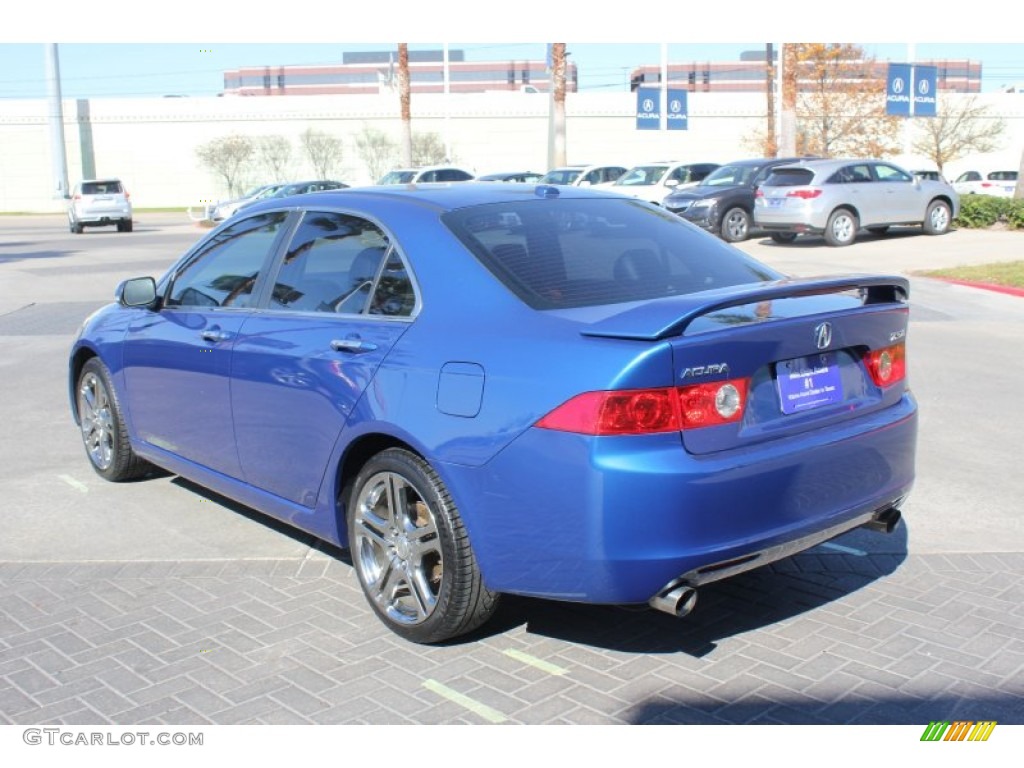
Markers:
point(533, 661)
point(478, 707)
point(74, 483)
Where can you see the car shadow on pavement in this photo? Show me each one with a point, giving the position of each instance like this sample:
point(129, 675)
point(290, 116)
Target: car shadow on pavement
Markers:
point(863, 238)
point(749, 601)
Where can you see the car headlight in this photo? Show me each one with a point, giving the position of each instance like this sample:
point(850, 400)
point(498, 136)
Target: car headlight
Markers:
point(704, 204)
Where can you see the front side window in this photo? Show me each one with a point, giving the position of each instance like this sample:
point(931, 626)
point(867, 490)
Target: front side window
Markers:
point(331, 265)
point(891, 173)
point(224, 271)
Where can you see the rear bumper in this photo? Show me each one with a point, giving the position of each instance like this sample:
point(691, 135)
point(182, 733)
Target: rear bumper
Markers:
point(613, 520)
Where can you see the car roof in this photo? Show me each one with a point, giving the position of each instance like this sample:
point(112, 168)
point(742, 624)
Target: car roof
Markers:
point(442, 196)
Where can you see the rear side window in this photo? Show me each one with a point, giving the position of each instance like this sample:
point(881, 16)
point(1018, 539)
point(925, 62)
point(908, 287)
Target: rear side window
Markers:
point(559, 253)
point(330, 265)
point(790, 177)
point(101, 188)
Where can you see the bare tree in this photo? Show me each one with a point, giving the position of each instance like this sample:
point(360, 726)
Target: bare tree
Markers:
point(376, 149)
point(228, 158)
point(404, 100)
point(428, 149)
point(323, 150)
point(959, 128)
point(840, 108)
point(275, 153)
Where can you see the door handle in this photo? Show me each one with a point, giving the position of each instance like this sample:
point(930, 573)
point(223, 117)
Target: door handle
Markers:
point(213, 336)
point(356, 346)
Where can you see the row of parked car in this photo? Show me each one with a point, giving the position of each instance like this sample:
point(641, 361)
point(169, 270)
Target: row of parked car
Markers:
point(784, 197)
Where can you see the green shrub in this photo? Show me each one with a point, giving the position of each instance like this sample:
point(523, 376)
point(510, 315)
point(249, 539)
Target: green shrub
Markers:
point(979, 211)
point(1015, 214)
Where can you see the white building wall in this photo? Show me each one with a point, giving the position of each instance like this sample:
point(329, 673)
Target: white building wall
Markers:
point(150, 143)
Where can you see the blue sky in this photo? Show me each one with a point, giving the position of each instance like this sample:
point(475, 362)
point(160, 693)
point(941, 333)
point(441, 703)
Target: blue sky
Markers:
point(184, 47)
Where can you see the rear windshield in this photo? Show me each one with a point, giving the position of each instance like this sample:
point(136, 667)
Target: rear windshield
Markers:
point(1003, 176)
point(560, 253)
point(101, 187)
point(789, 177)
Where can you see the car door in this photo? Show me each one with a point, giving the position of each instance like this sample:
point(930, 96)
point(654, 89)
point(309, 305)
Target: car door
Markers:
point(901, 198)
point(177, 361)
point(341, 298)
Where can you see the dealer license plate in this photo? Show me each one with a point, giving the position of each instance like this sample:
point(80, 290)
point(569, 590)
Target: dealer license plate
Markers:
point(811, 382)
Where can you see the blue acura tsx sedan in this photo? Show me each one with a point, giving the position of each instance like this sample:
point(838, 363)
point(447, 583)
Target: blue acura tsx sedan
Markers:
point(491, 388)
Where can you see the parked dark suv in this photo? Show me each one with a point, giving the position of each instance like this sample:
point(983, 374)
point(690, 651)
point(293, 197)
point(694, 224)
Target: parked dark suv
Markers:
point(723, 203)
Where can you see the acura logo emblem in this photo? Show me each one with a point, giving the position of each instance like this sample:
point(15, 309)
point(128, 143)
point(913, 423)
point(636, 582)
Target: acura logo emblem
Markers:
point(823, 335)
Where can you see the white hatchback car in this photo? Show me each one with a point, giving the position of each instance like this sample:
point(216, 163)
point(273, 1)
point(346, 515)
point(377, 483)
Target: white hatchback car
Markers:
point(99, 203)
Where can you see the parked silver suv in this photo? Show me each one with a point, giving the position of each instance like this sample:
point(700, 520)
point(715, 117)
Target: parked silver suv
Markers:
point(99, 203)
point(835, 198)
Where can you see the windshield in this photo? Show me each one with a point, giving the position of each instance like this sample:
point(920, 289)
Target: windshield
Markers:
point(398, 177)
point(730, 176)
point(561, 253)
point(642, 175)
point(562, 176)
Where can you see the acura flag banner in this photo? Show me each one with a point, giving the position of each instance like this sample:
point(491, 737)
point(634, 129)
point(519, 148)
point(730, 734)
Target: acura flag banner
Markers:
point(910, 90)
point(648, 109)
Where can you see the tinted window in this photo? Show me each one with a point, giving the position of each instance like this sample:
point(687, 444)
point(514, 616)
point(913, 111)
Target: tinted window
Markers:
point(224, 272)
point(970, 176)
point(571, 253)
point(101, 188)
point(1003, 176)
point(393, 295)
point(730, 175)
point(330, 265)
point(789, 177)
point(561, 176)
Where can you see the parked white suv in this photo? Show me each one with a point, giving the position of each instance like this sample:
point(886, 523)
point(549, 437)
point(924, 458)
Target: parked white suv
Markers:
point(426, 174)
point(996, 183)
point(99, 203)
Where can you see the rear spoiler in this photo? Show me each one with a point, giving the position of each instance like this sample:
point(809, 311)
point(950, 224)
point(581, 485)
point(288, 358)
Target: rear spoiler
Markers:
point(670, 317)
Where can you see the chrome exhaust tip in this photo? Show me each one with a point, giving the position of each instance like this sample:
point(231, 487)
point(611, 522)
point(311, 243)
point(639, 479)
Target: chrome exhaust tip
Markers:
point(677, 599)
point(885, 521)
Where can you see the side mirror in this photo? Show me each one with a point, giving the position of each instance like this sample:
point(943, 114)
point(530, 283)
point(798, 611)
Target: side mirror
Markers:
point(136, 292)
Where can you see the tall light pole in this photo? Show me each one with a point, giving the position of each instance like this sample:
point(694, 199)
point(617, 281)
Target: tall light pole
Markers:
point(58, 156)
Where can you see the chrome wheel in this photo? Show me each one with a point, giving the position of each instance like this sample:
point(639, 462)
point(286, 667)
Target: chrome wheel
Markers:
point(841, 228)
point(938, 218)
point(411, 551)
point(397, 548)
point(735, 225)
point(97, 420)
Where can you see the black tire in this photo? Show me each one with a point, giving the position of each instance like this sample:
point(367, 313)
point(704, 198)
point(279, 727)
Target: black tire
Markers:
point(104, 433)
point(411, 551)
point(124, 226)
point(75, 227)
point(938, 218)
point(841, 228)
point(879, 230)
point(735, 226)
point(783, 237)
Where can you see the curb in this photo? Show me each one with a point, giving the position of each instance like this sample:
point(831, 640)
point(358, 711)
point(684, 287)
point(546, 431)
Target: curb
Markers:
point(1009, 290)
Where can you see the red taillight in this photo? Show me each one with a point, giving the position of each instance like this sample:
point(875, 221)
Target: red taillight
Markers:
point(126, 195)
point(759, 193)
point(804, 194)
point(648, 411)
point(708, 405)
point(887, 366)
